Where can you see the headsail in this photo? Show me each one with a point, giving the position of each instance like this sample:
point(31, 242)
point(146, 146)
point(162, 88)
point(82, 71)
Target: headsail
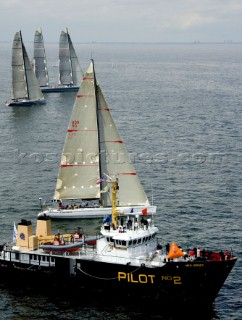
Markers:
point(40, 62)
point(93, 147)
point(76, 70)
point(116, 162)
point(70, 72)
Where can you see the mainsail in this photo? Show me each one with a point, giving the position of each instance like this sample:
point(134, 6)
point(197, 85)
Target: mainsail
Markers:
point(25, 83)
point(93, 149)
point(40, 62)
point(70, 71)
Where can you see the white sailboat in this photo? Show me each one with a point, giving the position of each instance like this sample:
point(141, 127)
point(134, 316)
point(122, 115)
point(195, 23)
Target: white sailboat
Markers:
point(70, 72)
point(94, 153)
point(26, 89)
point(40, 61)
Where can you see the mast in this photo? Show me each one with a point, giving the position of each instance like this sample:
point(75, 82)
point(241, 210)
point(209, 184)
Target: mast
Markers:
point(98, 128)
point(69, 49)
point(23, 54)
point(71, 75)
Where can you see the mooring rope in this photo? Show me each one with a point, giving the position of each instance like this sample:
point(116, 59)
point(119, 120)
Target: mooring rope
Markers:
point(104, 278)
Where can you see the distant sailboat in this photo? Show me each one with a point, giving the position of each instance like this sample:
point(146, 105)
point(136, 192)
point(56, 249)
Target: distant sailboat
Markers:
point(93, 153)
point(70, 72)
point(26, 89)
point(40, 61)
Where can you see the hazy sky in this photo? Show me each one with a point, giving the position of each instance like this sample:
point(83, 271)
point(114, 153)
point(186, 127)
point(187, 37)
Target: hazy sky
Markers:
point(123, 20)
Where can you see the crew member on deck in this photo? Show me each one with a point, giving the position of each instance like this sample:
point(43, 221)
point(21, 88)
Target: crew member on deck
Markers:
point(56, 241)
point(59, 205)
point(78, 234)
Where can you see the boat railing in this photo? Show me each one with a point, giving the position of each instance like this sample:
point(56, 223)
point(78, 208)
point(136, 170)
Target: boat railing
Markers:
point(7, 246)
point(129, 226)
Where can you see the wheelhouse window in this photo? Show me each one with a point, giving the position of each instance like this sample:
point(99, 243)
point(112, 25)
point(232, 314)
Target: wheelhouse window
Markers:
point(110, 239)
point(121, 243)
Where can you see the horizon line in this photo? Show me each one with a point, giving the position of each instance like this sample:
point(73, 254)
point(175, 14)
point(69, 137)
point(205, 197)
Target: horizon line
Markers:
point(142, 42)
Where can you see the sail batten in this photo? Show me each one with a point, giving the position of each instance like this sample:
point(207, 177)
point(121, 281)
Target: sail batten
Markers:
point(71, 130)
point(76, 165)
point(114, 141)
point(86, 95)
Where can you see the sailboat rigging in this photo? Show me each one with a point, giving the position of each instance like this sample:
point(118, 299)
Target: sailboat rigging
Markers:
point(25, 86)
point(70, 72)
point(94, 152)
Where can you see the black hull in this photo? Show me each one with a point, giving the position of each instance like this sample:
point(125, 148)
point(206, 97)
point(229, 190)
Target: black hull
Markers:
point(26, 103)
point(179, 283)
point(60, 89)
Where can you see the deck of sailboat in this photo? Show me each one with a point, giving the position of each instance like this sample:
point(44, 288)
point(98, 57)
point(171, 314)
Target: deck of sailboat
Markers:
point(92, 213)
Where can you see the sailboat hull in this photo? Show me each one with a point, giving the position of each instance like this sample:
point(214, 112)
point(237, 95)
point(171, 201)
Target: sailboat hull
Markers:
point(60, 89)
point(25, 103)
point(92, 212)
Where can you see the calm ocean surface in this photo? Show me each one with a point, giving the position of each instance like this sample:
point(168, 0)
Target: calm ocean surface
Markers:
point(179, 110)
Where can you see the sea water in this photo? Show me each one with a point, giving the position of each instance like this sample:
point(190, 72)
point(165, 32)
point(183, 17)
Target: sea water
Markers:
point(178, 108)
